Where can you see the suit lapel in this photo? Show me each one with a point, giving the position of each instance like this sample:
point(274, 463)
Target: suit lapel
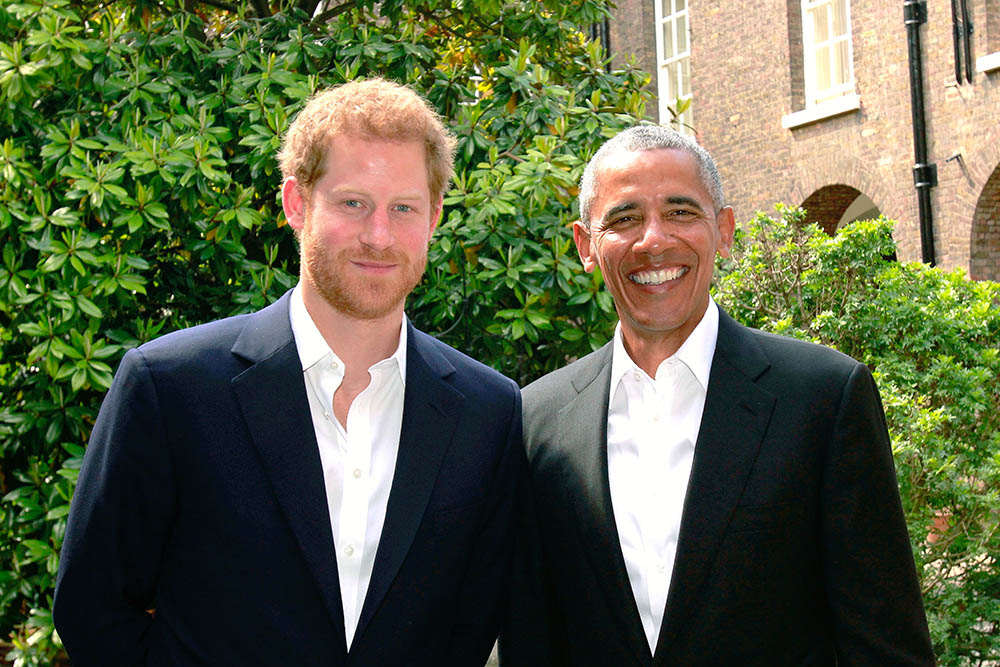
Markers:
point(588, 489)
point(430, 410)
point(733, 424)
point(272, 396)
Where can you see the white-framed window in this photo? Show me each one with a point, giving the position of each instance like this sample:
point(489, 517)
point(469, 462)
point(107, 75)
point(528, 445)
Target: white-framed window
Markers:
point(673, 61)
point(826, 44)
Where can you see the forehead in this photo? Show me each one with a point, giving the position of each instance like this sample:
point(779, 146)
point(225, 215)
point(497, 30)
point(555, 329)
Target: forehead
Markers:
point(353, 157)
point(661, 172)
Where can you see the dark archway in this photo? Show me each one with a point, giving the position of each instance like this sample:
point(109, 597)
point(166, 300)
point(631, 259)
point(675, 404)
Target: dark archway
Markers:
point(833, 206)
point(984, 253)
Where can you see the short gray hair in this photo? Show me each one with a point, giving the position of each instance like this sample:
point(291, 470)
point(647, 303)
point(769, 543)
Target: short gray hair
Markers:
point(648, 138)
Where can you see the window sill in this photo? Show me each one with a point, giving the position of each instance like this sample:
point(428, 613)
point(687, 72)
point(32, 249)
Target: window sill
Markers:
point(828, 109)
point(988, 63)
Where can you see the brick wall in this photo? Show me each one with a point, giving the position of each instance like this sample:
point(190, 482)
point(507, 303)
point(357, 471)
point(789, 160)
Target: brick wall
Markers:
point(985, 250)
point(633, 34)
point(747, 73)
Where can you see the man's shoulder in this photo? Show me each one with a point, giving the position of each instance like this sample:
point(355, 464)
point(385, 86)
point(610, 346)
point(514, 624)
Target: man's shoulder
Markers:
point(211, 339)
point(468, 370)
point(788, 360)
point(197, 341)
point(796, 351)
point(562, 384)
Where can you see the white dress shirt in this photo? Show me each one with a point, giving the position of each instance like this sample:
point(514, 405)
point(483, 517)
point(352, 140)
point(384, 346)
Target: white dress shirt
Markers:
point(652, 430)
point(358, 461)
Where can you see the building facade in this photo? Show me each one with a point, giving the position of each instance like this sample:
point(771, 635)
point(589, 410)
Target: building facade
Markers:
point(808, 102)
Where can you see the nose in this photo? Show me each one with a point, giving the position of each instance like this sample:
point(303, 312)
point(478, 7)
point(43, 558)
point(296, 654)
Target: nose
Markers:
point(654, 236)
point(377, 232)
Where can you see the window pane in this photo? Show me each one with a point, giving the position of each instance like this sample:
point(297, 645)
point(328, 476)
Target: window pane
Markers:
point(665, 8)
point(841, 64)
point(670, 76)
point(682, 33)
point(679, 5)
point(668, 40)
point(685, 77)
point(839, 9)
point(822, 69)
point(820, 32)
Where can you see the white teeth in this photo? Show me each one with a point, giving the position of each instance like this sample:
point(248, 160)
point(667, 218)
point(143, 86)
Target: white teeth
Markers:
point(658, 277)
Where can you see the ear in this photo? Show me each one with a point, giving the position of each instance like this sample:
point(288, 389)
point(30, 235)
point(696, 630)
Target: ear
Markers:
point(293, 203)
point(436, 212)
point(584, 246)
point(726, 222)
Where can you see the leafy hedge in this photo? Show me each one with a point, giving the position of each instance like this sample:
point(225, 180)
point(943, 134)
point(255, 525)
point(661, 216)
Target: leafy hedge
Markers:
point(932, 339)
point(139, 195)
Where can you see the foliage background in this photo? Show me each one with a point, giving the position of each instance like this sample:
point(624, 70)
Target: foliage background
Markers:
point(139, 195)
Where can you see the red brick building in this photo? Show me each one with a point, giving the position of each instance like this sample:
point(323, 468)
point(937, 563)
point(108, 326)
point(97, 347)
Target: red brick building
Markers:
point(808, 102)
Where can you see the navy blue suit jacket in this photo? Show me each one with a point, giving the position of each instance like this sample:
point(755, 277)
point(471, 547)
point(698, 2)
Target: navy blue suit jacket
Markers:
point(201, 496)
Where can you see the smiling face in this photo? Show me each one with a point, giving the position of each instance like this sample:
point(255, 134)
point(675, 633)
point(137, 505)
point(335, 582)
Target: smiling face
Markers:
point(654, 233)
point(365, 227)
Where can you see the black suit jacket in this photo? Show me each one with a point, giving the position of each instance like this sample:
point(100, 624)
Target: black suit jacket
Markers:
point(793, 548)
point(201, 495)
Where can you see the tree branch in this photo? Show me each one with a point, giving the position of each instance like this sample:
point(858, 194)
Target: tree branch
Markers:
point(219, 4)
point(325, 16)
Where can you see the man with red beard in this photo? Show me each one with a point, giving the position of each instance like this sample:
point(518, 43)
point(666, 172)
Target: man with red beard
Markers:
point(317, 483)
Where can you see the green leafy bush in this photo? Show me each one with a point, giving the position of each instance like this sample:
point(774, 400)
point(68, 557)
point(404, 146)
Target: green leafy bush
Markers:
point(139, 194)
point(931, 338)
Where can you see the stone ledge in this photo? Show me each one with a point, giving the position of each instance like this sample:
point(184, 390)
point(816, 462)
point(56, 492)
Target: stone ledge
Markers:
point(988, 63)
point(828, 109)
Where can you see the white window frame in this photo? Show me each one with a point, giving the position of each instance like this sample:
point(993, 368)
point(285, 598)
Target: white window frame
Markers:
point(815, 96)
point(665, 88)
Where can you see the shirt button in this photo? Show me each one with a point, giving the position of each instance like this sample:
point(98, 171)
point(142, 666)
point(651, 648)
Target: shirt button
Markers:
point(636, 375)
point(656, 417)
point(660, 567)
point(334, 365)
point(349, 551)
point(357, 473)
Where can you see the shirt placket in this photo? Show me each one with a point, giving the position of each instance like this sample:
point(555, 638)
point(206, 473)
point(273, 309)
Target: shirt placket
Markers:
point(354, 504)
point(654, 423)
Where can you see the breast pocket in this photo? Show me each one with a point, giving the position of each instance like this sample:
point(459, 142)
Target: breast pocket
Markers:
point(776, 518)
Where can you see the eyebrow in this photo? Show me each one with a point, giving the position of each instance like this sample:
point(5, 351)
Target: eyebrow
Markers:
point(631, 205)
point(619, 208)
point(685, 201)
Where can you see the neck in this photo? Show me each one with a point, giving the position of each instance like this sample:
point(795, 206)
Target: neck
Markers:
point(359, 343)
point(648, 352)
point(648, 348)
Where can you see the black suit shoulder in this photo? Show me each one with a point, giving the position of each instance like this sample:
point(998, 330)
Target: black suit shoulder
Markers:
point(547, 394)
point(792, 365)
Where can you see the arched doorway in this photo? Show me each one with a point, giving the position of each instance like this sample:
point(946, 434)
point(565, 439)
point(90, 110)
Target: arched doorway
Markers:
point(833, 206)
point(984, 254)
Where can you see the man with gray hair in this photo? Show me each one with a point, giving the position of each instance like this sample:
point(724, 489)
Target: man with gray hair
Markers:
point(701, 493)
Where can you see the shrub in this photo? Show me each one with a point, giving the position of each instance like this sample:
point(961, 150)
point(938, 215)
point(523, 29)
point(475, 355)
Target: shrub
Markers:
point(139, 195)
point(931, 339)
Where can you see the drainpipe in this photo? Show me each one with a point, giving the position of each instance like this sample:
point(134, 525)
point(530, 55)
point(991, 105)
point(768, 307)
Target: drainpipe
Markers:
point(924, 172)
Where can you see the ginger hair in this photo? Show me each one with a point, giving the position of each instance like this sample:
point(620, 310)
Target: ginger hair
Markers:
point(372, 109)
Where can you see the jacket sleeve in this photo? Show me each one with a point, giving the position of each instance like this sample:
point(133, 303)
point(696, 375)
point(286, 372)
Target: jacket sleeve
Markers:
point(531, 628)
point(117, 528)
point(487, 569)
point(871, 580)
